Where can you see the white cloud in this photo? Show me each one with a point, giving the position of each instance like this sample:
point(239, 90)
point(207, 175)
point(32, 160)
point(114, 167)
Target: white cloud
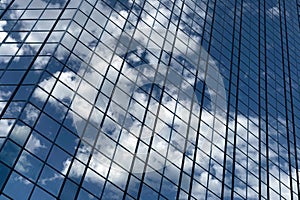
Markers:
point(7, 50)
point(83, 108)
point(40, 32)
point(34, 144)
point(5, 124)
point(20, 133)
point(3, 34)
point(23, 165)
point(10, 45)
point(274, 11)
point(56, 176)
point(22, 180)
point(60, 90)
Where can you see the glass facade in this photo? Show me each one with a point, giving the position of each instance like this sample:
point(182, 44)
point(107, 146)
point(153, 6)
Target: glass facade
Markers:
point(149, 99)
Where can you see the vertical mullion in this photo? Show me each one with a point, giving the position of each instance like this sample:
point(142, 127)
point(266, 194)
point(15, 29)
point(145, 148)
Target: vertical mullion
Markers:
point(285, 98)
point(236, 99)
point(140, 133)
point(228, 104)
point(189, 120)
point(259, 99)
point(284, 36)
point(266, 98)
point(291, 94)
point(160, 103)
point(202, 92)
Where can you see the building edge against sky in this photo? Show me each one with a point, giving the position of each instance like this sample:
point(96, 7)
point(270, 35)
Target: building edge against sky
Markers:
point(151, 99)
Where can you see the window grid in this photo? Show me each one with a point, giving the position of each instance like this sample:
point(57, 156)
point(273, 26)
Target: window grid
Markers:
point(68, 88)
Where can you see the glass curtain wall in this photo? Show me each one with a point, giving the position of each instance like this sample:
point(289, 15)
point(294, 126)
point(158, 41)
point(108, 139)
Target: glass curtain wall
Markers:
point(149, 99)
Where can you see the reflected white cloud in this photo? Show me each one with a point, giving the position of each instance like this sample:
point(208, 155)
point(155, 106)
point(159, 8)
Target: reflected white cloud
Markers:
point(274, 11)
point(5, 124)
point(34, 144)
point(7, 50)
point(173, 108)
point(167, 118)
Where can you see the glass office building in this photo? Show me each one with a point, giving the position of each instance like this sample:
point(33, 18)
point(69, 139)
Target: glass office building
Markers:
point(149, 99)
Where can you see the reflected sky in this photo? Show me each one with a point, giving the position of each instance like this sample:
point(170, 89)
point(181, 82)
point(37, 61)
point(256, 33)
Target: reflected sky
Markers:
point(122, 97)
